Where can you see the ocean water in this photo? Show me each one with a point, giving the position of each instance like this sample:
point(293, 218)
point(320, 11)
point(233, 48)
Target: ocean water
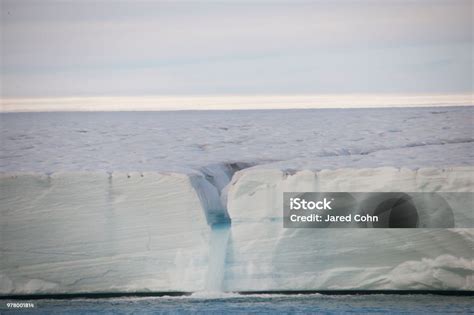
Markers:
point(258, 303)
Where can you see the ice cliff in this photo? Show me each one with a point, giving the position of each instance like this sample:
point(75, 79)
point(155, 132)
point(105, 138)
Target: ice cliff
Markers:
point(263, 255)
point(125, 232)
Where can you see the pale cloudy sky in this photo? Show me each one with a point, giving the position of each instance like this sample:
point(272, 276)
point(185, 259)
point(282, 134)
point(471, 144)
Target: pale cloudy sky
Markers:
point(130, 48)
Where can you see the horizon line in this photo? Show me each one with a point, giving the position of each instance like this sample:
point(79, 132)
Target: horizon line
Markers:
point(229, 102)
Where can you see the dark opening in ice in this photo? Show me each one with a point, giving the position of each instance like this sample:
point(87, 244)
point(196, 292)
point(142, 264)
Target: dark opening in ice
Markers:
point(398, 212)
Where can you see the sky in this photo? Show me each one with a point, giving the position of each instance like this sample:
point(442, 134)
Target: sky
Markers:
point(52, 49)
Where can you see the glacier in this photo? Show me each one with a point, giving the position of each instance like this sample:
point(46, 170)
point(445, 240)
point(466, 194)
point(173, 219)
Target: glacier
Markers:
point(192, 201)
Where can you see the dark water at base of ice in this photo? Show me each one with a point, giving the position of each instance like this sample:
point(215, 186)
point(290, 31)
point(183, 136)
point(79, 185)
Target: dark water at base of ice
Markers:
point(206, 303)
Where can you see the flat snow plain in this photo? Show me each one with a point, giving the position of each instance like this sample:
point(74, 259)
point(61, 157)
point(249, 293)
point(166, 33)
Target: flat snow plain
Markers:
point(188, 140)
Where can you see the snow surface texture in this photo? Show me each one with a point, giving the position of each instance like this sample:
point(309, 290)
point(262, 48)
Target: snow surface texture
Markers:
point(120, 202)
point(187, 141)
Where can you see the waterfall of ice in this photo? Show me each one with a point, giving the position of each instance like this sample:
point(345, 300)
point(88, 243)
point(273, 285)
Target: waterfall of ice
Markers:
point(217, 256)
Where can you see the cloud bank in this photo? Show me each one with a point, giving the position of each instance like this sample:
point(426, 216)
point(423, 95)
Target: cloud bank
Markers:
point(56, 49)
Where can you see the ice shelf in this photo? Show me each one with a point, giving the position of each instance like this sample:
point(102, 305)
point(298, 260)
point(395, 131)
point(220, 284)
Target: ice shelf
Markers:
point(192, 201)
point(124, 232)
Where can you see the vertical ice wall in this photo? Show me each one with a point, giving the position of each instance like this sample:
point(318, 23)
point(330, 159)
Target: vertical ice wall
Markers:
point(262, 255)
point(95, 232)
point(98, 232)
point(122, 232)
